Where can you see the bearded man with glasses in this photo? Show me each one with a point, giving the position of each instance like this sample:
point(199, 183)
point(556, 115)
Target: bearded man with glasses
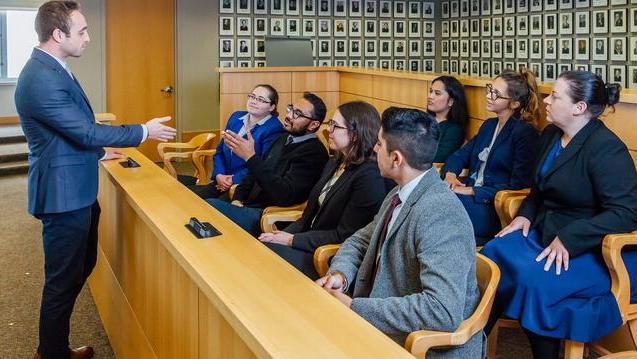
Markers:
point(285, 174)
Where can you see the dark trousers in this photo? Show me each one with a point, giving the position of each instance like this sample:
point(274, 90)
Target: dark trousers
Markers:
point(204, 191)
point(70, 253)
point(301, 260)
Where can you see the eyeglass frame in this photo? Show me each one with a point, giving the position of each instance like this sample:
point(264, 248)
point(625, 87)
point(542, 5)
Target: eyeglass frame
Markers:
point(490, 92)
point(296, 113)
point(332, 125)
point(259, 99)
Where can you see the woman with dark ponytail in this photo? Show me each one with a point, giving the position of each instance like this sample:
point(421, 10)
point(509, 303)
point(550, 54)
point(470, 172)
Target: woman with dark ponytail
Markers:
point(554, 280)
point(501, 155)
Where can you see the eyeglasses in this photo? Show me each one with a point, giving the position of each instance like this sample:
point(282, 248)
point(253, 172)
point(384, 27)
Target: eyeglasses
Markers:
point(495, 94)
point(258, 98)
point(296, 113)
point(332, 125)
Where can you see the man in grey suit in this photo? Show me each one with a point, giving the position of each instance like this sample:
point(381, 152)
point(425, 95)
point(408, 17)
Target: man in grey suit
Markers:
point(65, 145)
point(413, 267)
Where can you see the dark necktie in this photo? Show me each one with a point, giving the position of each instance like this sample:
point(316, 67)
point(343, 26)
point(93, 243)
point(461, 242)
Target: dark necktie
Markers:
point(395, 202)
point(289, 140)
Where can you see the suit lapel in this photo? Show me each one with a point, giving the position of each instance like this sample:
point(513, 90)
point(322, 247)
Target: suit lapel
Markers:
point(423, 185)
point(573, 147)
point(504, 133)
point(339, 182)
point(88, 103)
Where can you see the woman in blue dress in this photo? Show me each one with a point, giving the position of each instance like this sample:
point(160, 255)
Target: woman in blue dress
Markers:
point(265, 127)
point(585, 187)
point(501, 155)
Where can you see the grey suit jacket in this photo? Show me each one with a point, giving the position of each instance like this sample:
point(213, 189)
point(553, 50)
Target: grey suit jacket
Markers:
point(426, 277)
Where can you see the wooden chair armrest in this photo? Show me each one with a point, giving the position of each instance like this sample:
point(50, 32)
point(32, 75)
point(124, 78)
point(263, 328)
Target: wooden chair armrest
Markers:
point(199, 158)
point(419, 342)
point(322, 256)
point(169, 156)
point(612, 246)
point(438, 166)
point(268, 220)
point(274, 209)
point(507, 203)
point(163, 146)
point(621, 355)
point(233, 188)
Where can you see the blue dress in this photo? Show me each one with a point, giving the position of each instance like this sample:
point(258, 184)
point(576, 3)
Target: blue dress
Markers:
point(575, 305)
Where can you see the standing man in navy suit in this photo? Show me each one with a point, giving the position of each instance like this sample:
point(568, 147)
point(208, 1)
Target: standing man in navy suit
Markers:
point(65, 146)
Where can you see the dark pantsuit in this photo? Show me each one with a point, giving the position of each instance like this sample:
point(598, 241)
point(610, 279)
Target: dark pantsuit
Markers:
point(300, 259)
point(70, 253)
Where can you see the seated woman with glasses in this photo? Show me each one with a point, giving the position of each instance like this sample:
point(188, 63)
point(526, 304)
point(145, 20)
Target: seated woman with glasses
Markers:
point(261, 118)
point(501, 155)
point(448, 103)
point(585, 187)
point(346, 197)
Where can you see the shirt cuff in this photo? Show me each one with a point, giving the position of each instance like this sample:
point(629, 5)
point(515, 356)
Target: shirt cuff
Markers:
point(104, 157)
point(145, 134)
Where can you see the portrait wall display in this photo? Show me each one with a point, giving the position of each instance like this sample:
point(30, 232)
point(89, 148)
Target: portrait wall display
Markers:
point(474, 37)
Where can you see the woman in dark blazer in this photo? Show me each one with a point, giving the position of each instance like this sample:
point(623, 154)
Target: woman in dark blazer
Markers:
point(501, 155)
point(585, 187)
point(448, 103)
point(347, 196)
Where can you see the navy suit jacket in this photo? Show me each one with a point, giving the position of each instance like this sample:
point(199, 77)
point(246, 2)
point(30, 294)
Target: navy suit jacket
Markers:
point(510, 162)
point(65, 143)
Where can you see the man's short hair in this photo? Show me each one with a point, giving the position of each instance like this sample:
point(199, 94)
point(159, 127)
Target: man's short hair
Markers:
point(318, 106)
point(54, 15)
point(413, 133)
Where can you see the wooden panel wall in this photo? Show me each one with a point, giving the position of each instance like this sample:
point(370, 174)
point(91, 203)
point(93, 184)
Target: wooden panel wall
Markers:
point(383, 89)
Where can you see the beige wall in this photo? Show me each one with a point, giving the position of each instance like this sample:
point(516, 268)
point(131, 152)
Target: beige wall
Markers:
point(89, 69)
point(197, 102)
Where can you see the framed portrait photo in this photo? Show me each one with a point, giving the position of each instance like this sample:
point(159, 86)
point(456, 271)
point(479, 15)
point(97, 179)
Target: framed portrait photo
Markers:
point(340, 27)
point(384, 9)
point(414, 29)
point(566, 4)
point(535, 24)
point(385, 47)
point(355, 8)
point(293, 27)
point(632, 51)
point(277, 27)
point(355, 28)
point(618, 46)
point(581, 22)
point(429, 29)
point(259, 48)
point(550, 24)
point(509, 6)
point(370, 48)
point(485, 68)
point(633, 17)
point(309, 7)
point(582, 3)
point(535, 49)
point(522, 48)
point(550, 72)
point(260, 26)
point(277, 7)
point(428, 65)
point(632, 77)
point(454, 8)
point(399, 28)
point(498, 7)
point(226, 6)
point(244, 63)
point(244, 47)
point(243, 26)
point(618, 21)
point(550, 49)
point(536, 69)
point(370, 28)
point(226, 25)
point(226, 63)
point(599, 48)
point(509, 48)
point(324, 27)
point(600, 25)
point(355, 63)
point(226, 47)
point(400, 9)
point(566, 23)
point(414, 9)
point(324, 7)
point(243, 6)
point(428, 48)
point(355, 48)
point(536, 5)
point(617, 74)
point(400, 48)
point(325, 47)
point(566, 49)
point(260, 7)
point(384, 29)
point(428, 10)
point(523, 25)
point(414, 65)
point(399, 65)
point(523, 6)
point(582, 48)
point(370, 8)
point(486, 48)
point(445, 9)
point(496, 68)
point(414, 48)
point(340, 47)
point(340, 8)
point(309, 27)
point(371, 64)
point(550, 5)
point(474, 8)
point(599, 70)
point(496, 49)
point(474, 68)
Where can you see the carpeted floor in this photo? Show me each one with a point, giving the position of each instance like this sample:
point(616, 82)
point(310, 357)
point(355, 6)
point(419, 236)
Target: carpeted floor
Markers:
point(21, 277)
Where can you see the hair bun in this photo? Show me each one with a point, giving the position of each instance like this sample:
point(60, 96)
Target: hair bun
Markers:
point(612, 91)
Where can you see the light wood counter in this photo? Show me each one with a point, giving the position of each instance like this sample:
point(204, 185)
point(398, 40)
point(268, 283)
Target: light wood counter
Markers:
point(163, 293)
point(385, 88)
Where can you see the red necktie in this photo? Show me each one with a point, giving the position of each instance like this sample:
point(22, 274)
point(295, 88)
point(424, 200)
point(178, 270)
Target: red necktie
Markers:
point(395, 202)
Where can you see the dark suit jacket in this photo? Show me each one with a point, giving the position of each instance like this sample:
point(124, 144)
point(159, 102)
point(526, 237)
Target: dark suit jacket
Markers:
point(510, 163)
point(65, 143)
point(285, 176)
point(350, 204)
point(589, 191)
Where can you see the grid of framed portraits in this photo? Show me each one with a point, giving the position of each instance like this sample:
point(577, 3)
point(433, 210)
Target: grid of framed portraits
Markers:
point(392, 34)
point(484, 37)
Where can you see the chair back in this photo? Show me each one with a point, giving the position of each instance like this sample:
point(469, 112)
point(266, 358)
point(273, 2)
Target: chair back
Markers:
point(488, 277)
point(203, 141)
